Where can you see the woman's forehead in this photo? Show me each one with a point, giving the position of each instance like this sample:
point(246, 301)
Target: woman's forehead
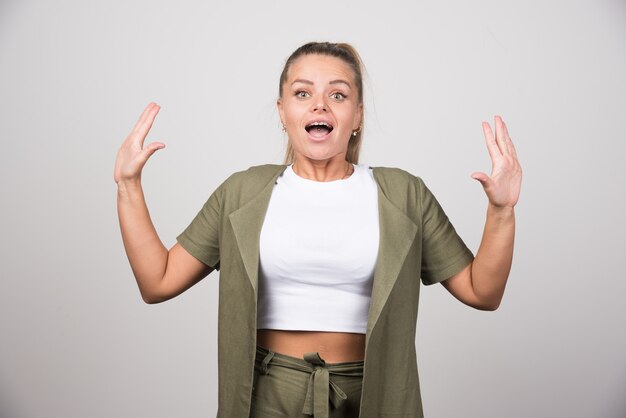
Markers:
point(319, 67)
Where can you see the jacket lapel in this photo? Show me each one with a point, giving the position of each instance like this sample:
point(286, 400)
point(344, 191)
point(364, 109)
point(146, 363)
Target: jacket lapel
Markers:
point(247, 222)
point(397, 233)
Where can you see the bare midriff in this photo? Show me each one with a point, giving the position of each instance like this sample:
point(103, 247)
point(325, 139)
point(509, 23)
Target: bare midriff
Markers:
point(333, 347)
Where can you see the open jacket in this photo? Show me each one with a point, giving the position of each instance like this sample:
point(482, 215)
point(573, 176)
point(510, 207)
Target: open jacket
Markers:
point(416, 241)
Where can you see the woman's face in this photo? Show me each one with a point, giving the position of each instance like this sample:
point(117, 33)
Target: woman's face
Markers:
point(320, 107)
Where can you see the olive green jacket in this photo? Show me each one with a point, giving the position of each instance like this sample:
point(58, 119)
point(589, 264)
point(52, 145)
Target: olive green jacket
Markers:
point(416, 241)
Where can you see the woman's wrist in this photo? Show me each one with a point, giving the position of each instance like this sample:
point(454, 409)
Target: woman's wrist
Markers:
point(129, 186)
point(503, 210)
point(502, 215)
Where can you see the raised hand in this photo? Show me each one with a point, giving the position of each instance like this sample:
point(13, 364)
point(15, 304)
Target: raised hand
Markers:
point(504, 184)
point(132, 155)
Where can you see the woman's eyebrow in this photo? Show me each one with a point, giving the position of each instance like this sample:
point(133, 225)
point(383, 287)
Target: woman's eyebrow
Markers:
point(338, 81)
point(341, 82)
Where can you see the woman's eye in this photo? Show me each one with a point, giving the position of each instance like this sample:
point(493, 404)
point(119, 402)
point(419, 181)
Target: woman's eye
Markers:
point(338, 96)
point(302, 94)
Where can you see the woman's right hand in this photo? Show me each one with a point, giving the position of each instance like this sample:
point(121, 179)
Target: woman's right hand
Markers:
point(132, 155)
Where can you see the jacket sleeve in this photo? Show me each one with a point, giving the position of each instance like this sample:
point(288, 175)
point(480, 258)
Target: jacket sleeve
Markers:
point(201, 237)
point(443, 251)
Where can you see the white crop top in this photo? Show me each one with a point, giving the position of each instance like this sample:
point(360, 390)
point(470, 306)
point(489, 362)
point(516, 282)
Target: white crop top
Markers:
point(318, 249)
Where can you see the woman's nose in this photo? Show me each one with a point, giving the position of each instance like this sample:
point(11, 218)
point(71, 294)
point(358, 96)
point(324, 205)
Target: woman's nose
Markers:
point(319, 105)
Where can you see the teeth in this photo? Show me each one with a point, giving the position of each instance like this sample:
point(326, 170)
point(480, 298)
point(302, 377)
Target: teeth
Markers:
point(319, 124)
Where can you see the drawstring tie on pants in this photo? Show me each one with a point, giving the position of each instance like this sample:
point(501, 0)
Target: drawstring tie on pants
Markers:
point(320, 387)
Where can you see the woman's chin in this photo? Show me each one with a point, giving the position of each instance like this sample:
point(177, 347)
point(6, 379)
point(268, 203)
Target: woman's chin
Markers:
point(323, 149)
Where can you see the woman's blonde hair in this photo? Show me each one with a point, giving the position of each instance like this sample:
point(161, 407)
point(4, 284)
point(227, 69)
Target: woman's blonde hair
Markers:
point(347, 54)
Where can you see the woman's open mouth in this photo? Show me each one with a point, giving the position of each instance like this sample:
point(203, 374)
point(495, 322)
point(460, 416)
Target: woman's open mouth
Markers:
point(319, 130)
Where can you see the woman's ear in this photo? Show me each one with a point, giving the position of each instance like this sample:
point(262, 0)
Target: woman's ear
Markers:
point(279, 106)
point(359, 118)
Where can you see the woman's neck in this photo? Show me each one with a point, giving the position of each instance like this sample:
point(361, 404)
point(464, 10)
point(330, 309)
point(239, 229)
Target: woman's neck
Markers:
point(323, 170)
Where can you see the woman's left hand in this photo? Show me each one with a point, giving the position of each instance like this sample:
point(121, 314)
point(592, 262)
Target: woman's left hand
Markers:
point(504, 184)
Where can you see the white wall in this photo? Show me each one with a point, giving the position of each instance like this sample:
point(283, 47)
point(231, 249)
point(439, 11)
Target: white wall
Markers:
point(76, 338)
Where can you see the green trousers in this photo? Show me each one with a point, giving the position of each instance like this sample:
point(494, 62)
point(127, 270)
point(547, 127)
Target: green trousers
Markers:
point(290, 387)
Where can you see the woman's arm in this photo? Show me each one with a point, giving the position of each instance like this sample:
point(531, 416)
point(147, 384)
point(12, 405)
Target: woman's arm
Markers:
point(481, 284)
point(160, 274)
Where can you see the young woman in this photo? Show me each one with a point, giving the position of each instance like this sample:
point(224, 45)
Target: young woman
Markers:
point(320, 258)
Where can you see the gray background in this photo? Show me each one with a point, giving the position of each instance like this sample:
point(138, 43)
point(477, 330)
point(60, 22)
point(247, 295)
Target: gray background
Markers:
point(78, 341)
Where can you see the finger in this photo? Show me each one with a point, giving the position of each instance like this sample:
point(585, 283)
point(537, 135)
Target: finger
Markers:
point(481, 177)
point(500, 135)
point(143, 125)
point(510, 142)
point(149, 150)
point(506, 139)
point(154, 146)
point(143, 116)
point(494, 152)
